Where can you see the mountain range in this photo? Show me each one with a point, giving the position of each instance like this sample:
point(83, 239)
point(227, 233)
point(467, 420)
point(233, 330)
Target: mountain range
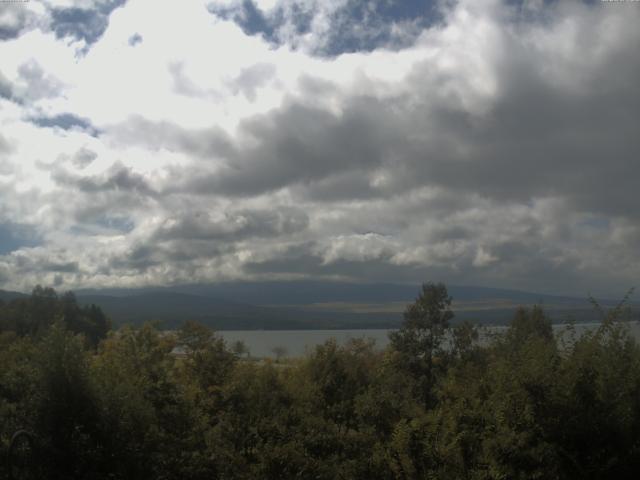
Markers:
point(314, 305)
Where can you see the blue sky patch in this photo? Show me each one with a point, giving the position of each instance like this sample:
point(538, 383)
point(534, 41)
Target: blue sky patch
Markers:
point(358, 26)
point(14, 236)
point(135, 39)
point(82, 23)
point(118, 223)
point(67, 121)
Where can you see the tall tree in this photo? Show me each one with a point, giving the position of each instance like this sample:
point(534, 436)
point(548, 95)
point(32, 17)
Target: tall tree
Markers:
point(420, 339)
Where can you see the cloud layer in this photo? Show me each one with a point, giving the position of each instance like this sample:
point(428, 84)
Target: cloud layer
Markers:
point(475, 142)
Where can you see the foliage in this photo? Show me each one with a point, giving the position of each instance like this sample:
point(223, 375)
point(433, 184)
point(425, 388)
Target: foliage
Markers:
point(34, 315)
point(420, 340)
point(438, 403)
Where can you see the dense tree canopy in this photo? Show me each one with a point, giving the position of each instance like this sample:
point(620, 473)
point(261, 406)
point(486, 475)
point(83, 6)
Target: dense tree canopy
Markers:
point(438, 403)
point(33, 315)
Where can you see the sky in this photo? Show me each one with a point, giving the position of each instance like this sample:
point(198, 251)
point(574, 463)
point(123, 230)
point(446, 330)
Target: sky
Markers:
point(474, 142)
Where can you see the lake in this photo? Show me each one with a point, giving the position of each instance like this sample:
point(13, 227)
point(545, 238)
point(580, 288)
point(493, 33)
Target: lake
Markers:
point(298, 342)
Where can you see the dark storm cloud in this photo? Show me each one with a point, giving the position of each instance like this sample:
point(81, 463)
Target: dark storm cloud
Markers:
point(294, 259)
point(519, 267)
point(139, 257)
point(537, 139)
point(502, 151)
point(118, 178)
point(541, 139)
point(303, 260)
point(67, 121)
point(86, 24)
point(185, 255)
point(300, 144)
point(566, 134)
point(354, 185)
point(107, 209)
point(66, 267)
point(107, 201)
point(527, 261)
point(447, 233)
point(107, 212)
point(234, 226)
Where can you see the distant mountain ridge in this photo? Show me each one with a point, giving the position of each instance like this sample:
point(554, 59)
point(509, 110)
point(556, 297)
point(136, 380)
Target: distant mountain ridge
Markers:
point(7, 296)
point(312, 304)
point(310, 292)
point(316, 305)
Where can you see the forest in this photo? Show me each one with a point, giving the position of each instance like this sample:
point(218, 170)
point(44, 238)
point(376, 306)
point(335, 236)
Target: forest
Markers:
point(93, 402)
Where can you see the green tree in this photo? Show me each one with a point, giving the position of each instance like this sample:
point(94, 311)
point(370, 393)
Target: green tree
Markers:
point(207, 359)
point(251, 433)
point(420, 339)
point(66, 412)
point(149, 421)
point(240, 348)
point(528, 324)
point(34, 315)
point(464, 339)
point(89, 320)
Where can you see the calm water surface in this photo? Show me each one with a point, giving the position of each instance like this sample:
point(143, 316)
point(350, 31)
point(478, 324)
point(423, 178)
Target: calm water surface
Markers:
point(298, 342)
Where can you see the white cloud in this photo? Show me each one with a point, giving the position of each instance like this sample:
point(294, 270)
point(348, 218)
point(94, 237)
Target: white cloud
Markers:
point(483, 258)
point(474, 153)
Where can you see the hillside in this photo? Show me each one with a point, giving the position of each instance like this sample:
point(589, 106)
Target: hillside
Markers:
point(7, 296)
point(317, 305)
point(313, 305)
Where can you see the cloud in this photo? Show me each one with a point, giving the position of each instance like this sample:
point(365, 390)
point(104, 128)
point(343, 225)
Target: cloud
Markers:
point(235, 225)
point(5, 147)
point(35, 84)
point(251, 78)
point(329, 28)
point(300, 144)
point(83, 158)
point(14, 236)
point(6, 89)
point(137, 130)
point(14, 18)
point(484, 258)
point(87, 24)
point(482, 142)
point(66, 121)
point(68, 267)
point(135, 39)
point(118, 178)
